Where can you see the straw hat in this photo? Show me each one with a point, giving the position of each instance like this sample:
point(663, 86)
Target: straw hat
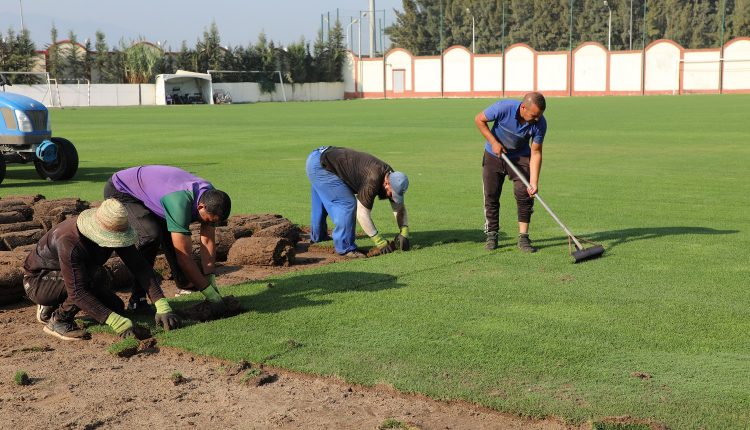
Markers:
point(107, 225)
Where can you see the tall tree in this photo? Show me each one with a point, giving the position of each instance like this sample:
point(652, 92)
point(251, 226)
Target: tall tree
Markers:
point(739, 21)
point(519, 22)
point(185, 58)
point(17, 54)
point(209, 51)
point(54, 58)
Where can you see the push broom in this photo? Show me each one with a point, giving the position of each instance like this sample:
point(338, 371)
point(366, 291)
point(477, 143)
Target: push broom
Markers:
point(581, 253)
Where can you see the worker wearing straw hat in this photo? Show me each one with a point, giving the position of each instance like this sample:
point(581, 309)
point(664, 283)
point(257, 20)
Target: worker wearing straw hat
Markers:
point(61, 274)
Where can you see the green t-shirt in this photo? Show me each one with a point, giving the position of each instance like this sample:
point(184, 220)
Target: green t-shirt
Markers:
point(178, 211)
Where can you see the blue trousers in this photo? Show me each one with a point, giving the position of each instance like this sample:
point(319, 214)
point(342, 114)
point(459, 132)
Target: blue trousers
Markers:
point(331, 196)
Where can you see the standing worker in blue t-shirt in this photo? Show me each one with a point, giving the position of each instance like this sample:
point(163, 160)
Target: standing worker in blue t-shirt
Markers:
point(518, 130)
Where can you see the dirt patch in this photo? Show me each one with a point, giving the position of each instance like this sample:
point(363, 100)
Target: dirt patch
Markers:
point(82, 385)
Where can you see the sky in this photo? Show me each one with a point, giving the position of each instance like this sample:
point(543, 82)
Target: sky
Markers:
point(239, 22)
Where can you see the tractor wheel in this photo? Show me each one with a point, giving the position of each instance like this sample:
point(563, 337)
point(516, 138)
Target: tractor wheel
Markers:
point(64, 167)
point(2, 167)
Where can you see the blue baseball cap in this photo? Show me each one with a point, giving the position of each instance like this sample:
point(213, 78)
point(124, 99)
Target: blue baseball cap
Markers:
point(399, 184)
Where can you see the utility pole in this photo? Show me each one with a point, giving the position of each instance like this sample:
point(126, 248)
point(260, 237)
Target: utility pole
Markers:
point(372, 28)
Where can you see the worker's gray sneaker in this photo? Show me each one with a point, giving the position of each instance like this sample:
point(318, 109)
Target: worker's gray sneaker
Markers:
point(524, 243)
point(65, 329)
point(44, 313)
point(491, 242)
point(355, 254)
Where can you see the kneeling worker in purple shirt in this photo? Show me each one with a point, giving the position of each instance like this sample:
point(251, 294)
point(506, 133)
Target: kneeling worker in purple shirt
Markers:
point(161, 202)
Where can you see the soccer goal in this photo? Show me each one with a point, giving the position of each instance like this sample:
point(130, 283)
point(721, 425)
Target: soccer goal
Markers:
point(37, 85)
point(276, 72)
point(721, 67)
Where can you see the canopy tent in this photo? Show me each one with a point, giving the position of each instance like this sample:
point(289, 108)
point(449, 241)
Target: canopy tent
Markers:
point(184, 87)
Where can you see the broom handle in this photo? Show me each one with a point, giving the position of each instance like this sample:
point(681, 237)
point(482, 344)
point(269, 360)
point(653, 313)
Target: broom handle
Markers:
point(538, 197)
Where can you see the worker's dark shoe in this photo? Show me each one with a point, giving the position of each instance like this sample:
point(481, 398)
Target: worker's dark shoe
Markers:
point(524, 243)
point(139, 305)
point(491, 242)
point(44, 313)
point(65, 328)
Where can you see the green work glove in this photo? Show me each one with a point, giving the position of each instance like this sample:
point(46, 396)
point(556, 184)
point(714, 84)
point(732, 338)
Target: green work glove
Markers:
point(164, 315)
point(214, 299)
point(379, 241)
point(125, 328)
point(212, 282)
point(404, 231)
point(402, 240)
point(387, 249)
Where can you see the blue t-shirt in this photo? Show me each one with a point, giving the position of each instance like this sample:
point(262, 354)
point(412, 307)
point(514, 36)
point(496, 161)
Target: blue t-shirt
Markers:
point(512, 134)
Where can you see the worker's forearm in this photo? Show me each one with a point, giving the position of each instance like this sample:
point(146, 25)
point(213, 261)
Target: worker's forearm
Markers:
point(535, 168)
point(191, 270)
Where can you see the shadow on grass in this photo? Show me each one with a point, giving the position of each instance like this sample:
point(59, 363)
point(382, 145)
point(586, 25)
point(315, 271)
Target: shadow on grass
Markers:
point(313, 289)
point(424, 239)
point(27, 173)
point(614, 238)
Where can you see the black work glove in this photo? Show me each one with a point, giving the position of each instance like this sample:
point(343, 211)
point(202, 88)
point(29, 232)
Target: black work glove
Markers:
point(387, 249)
point(402, 243)
point(168, 320)
point(137, 332)
point(218, 309)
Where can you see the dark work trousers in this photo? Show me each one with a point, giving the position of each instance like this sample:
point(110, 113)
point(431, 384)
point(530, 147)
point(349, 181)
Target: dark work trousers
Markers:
point(494, 171)
point(152, 234)
point(47, 288)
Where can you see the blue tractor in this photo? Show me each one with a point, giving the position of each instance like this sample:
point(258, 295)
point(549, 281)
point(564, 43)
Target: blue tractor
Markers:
point(26, 136)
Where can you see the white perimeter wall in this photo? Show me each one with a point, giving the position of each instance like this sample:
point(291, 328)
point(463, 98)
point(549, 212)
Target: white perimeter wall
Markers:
point(488, 73)
point(548, 76)
point(625, 72)
point(398, 60)
point(145, 94)
point(428, 71)
point(519, 69)
point(595, 71)
point(457, 61)
point(590, 70)
point(737, 73)
point(700, 71)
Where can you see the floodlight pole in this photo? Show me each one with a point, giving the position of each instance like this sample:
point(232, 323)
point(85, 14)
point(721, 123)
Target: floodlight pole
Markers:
point(609, 26)
point(473, 43)
point(721, 48)
point(631, 25)
point(570, 50)
point(20, 9)
point(348, 32)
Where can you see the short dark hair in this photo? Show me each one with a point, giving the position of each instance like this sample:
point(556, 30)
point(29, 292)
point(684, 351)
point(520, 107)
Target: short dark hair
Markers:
point(217, 203)
point(535, 98)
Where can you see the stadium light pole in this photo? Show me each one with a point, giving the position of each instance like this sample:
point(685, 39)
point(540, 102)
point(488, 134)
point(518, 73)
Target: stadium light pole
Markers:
point(609, 27)
point(473, 38)
point(20, 9)
point(348, 33)
point(631, 25)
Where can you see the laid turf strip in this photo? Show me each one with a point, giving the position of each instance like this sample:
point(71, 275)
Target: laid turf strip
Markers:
point(657, 329)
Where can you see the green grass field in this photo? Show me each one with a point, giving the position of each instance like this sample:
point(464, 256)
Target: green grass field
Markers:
point(658, 329)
